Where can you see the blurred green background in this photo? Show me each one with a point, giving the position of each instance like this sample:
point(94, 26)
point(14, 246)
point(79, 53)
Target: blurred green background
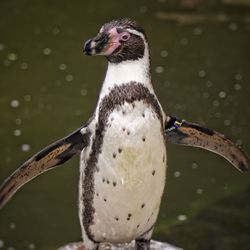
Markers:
point(200, 54)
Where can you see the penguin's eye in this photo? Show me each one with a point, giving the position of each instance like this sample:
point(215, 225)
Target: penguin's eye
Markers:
point(125, 37)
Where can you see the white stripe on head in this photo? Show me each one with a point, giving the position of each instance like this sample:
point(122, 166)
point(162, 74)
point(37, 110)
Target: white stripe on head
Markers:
point(137, 33)
point(101, 30)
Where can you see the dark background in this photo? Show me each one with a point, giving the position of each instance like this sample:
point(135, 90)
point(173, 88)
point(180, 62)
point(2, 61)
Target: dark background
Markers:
point(48, 88)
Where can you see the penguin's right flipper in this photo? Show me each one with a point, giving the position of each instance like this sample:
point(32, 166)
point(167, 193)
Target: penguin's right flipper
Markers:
point(48, 158)
point(190, 134)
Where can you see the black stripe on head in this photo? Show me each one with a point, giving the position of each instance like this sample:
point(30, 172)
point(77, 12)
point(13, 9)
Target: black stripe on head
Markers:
point(131, 50)
point(129, 93)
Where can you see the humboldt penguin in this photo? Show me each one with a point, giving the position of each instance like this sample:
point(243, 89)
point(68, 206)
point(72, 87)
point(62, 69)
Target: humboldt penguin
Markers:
point(122, 148)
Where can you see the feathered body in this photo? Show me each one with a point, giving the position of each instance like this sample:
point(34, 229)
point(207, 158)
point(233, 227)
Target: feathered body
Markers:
point(128, 163)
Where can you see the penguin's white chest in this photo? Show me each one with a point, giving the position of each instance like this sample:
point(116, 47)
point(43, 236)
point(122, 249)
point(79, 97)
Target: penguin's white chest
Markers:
point(131, 174)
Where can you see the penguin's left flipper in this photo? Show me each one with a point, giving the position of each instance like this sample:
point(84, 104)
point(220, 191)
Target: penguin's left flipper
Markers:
point(48, 158)
point(185, 133)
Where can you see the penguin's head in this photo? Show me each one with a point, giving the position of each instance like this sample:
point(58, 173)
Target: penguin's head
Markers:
point(118, 40)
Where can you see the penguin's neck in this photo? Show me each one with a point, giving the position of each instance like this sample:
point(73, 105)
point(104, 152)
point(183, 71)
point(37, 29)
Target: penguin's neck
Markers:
point(126, 72)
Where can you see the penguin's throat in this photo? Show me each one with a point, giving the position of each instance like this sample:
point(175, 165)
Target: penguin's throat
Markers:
point(128, 71)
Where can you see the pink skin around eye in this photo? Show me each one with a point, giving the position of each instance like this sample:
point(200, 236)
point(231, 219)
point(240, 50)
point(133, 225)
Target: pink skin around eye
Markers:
point(115, 41)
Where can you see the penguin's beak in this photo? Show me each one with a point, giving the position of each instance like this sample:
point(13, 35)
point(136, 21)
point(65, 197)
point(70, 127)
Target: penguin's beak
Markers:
point(97, 45)
point(106, 43)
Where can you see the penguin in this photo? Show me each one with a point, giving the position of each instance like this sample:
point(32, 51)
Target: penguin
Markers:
point(123, 156)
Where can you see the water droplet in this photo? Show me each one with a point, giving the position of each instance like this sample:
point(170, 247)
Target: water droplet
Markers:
point(18, 121)
point(237, 86)
point(197, 31)
point(84, 92)
point(69, 78)
point(239, 141)
point(177, 174)
point(217, 115)
point(2, 47)
point(17, 132)
point(58, 83)
point(62, 66)
point(1, 244)
point(47, 51)
point(227, 122)
point(159, 69)
point(182, 217)
point(184, 41)
point(238, 77)
point(12, 57)
point(143, 9)
point(31, 246)
point(164, 53)
point(56, 31)
point(202, 73)
point(233, 26)
point(12, 226)
point(213, 180)
point(24, 66)
point(25, 147)
point(205, 95)
point(209, 84)
point(172, 69)
point(10, 248)
point(167, 83)
point(14, 103)
point(216, 103)
point(27, 98)
point(199, 191)
point(222, 94)
point(194, 165)
point(6, 63)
